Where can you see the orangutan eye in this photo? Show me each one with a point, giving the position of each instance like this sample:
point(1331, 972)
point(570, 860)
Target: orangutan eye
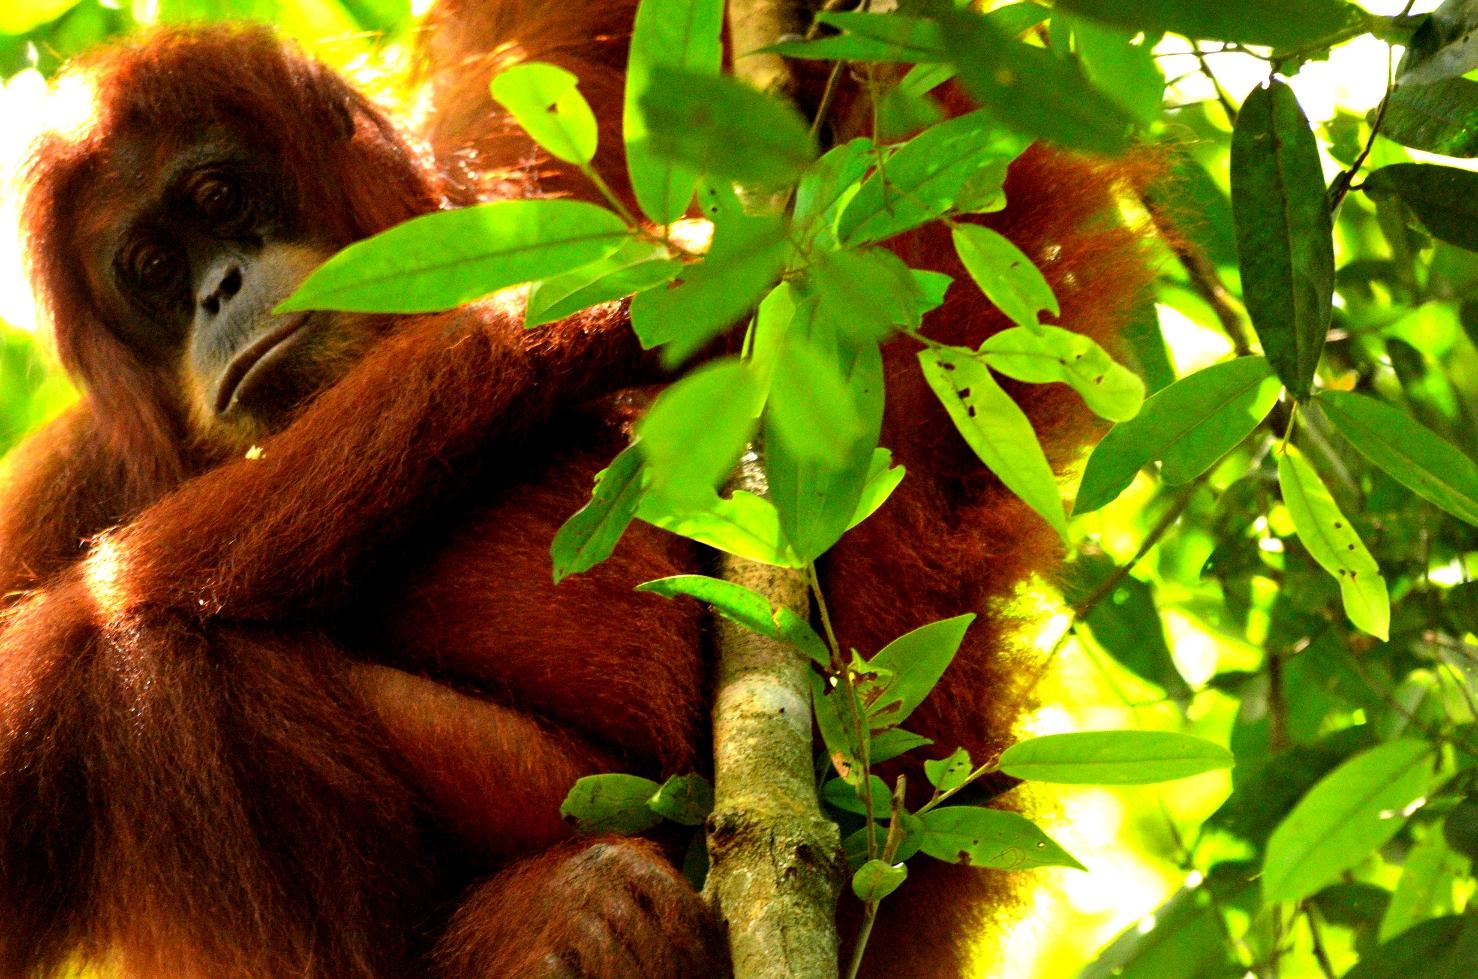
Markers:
point(218, 198)
point(150, 265)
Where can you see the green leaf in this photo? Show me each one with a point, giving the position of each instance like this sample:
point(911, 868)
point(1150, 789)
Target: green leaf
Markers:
point(1190, 425)
point(693, 434)
point(1125, 622)
point(666, 34)
point(1331, 541)
point(990, 838)
point(882, 479)
point(870, 37)
point(438, 261)
point(1185, 936)
point(1443, 948)
point(685, 799)
point(1285, 243)
point(889, 744)
point(995, 428)
point(1004, 273)
point(922, 179)
point(1113, 757)
point(842, 794)
point(1125, 71)
point(949, 773)
point(745, 607)
point(548, 105)
point(719, 126)
point(1408, 451)
point(1042, 354)
point(1029, 89)
point(1442, 197)
point(917, 660)
point(611, 804)
point(826, 187)
point(589, 537)
point(634, 267)
point(1440, 118)
point(1345, 817)
point(747, 257)
point(855, 845)
point(818, 495)
point(742, 524)
point(864, 293)
point(1425, 888)
point(1277, 23)
point(876, 879)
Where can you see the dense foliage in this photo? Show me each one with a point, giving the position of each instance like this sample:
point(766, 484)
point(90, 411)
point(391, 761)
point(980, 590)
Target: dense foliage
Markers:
point(1309, 501)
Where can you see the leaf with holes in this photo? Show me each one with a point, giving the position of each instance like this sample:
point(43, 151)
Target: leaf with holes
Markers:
point(995, 428)
point(546, 101)
point(1004, 273)
point(1049, 353)
point(990, 838)
point(1331, 541)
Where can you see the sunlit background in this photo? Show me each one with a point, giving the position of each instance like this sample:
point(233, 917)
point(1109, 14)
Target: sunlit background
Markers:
point(1133, 840)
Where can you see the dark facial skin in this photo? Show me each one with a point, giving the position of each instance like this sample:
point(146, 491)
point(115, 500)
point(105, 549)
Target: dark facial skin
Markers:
point(190, 276)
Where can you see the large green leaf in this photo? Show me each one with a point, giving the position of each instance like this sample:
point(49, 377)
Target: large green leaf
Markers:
point(1407, 450)
point(745, 607)
point(546, 101)
point(1285, 243)
point(1113, 757)
point(1190, 425)
point(438, 261)
point(612, 803)
point(634, 267)
point(1029, 89)
point(995, 428)
point(589, 537)
point(1444, 198)
point(990, 838)
point(1005, 274)
point(1331, 541)
point(666, 34)
point(1050, 353)
point(870, 37)
point(694, 433)
point(720, 126)
point(1345, 817)
point(922, 179)
point(916, 661)
point(1440, 118)
point(1279, 23)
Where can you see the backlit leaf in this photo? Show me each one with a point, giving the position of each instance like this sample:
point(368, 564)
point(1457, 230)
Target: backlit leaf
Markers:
point(1407, 450)
point(1345, 817)
point(1050, 353)
point(990, 838)
point(1113, 757)
point(916, 660)
point(995, 428)
point(441, 260)
point(1005, 274)
point(546, 101)
point(1331, 541)
point(1190, 425)
point(667, 33)
point(589, 537)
